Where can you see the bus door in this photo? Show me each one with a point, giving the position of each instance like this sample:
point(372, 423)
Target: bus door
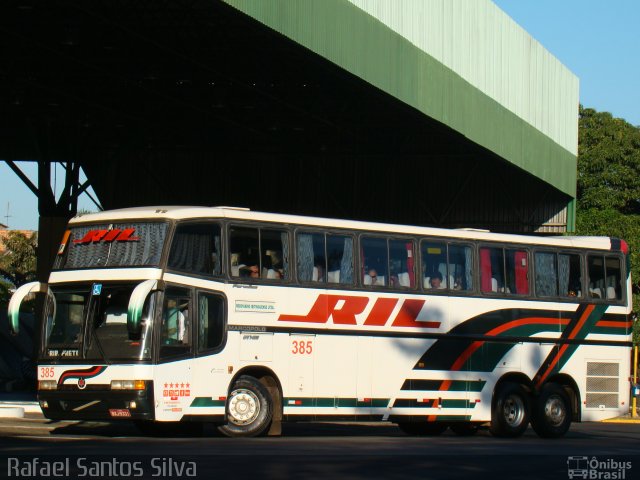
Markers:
point(173, 375)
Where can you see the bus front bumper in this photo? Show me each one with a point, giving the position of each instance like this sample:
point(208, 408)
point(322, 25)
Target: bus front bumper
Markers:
point(97, 404)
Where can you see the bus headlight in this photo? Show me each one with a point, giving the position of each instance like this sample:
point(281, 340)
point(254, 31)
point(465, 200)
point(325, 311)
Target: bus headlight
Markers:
point(128, 385)
point(47, 385)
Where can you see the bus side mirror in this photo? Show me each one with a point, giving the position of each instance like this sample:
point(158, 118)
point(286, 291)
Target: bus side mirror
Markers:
point(16, 300)
point(136, 304)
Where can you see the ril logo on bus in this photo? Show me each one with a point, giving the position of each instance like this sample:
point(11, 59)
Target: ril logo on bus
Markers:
point(344, 309)
point(116, 234)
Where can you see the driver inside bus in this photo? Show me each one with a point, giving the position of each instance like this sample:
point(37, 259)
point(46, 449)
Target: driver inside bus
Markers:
point(174, 324)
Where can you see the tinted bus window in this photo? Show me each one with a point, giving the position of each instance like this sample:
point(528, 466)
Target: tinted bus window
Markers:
point(324, 258)
point(375, 258)
point(604, 277)
point(558, 275)
point(259, 253)
point(196, 249)
point(447, 266)
point(504, 270)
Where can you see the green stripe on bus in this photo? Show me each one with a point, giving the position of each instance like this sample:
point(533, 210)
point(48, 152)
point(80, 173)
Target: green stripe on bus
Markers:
point(436, 385)
point(207, 402)
point(429, 403)
point(336, 402)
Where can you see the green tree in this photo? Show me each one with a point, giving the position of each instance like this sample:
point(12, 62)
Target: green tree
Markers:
point(608, 163)
point(18, 261)
point(608, 201)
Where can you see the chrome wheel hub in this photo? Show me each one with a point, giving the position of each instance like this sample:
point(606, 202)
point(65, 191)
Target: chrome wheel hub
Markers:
point(244, 407)
point(554, 410)
point(513, 410)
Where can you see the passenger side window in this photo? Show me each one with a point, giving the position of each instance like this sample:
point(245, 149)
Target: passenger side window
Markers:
point(259, 253)
point(196, 248)
point(401, 264)
point(504, 270)
point(324, 258)
point(175, 330)
point(375, 258)
point(210, 321)
point(434, 265)
point(447, 266)
point(461, 266)
point(558, 275)
point(605, 277)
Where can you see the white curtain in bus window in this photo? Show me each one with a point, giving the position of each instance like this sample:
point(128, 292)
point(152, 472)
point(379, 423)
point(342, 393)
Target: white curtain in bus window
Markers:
point(312, 263)
point(339, 259)
point(461, 266)
point(569, 275)
point(196, 249)
point(546, 274)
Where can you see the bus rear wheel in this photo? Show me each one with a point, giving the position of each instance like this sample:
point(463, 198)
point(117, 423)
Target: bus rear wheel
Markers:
point(249, 409)
point(510, 412)
point(552, 413)
point(422, 428)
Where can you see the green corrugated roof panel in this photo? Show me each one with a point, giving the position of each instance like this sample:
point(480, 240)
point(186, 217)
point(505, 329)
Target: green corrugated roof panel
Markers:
point(363, 45)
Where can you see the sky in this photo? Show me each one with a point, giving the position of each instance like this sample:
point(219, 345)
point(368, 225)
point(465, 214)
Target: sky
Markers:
point(598, 40)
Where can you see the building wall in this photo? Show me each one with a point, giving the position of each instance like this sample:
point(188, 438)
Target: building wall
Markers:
point(492, 52)
point(462, 63)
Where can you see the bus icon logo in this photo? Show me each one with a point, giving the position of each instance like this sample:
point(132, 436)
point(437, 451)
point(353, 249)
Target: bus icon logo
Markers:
point(578, 467)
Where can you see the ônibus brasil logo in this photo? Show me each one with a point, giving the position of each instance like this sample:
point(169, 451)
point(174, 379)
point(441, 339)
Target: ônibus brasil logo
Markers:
point(593, 468)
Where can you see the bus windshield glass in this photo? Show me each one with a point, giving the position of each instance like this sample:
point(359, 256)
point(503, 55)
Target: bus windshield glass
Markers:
point(112, 245)
point(91, 323)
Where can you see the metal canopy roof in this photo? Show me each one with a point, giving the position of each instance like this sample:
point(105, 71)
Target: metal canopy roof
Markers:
point(201, 102)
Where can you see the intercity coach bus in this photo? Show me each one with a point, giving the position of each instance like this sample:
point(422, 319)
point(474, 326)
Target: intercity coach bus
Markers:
point(247, 319)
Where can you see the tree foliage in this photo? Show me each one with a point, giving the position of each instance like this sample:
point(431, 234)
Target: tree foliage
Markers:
point(18, 261)
point(608, 163)
point(608, 200)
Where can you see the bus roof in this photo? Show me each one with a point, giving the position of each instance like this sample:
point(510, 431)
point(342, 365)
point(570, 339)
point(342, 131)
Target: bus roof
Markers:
point(239, 213)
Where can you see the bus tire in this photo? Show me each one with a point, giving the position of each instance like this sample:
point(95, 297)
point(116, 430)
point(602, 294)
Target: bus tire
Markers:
point(422, 428)
point(464, 429)
point(249, 409)
point(510, 412)
point(552, 412)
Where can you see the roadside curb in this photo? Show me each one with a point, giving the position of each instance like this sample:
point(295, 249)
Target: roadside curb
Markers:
point(622, 420)
point(11, 412)
point(9, 409)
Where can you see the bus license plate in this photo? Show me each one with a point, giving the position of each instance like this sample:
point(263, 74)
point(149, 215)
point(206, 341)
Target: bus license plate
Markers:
point(119, 412)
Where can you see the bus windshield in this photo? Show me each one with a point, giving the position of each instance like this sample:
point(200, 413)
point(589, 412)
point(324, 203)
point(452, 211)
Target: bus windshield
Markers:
point(91, 322)
point(112, 245)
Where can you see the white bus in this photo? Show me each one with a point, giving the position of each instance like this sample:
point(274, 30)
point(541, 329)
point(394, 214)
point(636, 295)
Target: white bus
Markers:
point(248, 319)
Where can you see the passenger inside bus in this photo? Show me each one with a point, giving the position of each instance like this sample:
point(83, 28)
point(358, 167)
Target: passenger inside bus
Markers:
point(436, 281)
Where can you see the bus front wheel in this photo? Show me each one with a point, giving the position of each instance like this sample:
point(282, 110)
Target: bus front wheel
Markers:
point(551, 416)
point(249, 409)
point(510, 413)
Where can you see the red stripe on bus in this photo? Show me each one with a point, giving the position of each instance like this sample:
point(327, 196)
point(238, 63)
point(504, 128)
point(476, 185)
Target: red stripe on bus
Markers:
point(614, 324)
point(563, 349)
